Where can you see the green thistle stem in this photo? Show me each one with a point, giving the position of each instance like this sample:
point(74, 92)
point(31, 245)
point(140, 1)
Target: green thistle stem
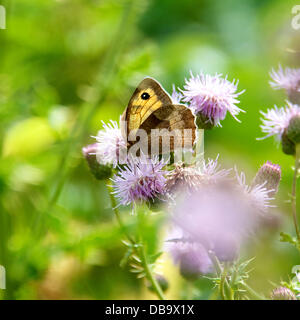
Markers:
point(226, 291)
point(156, 287)
point(294, 189)
point(222, 274)
point(222, 286)
point(149, 274)
point(140, 250)
point(116, 211)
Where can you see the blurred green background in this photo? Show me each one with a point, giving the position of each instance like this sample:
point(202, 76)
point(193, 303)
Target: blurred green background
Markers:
point(65, 65)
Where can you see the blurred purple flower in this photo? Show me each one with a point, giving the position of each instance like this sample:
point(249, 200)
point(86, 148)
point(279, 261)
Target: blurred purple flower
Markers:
point(277, 120)
point(219, 217)
point(191, 257)
point(288, 79)
point(110, 144)
point(212, 97)
point(141, 179)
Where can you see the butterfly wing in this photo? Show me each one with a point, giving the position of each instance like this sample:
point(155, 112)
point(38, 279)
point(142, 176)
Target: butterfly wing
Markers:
point(175, 118)
point(150, 107)
point(148, 97)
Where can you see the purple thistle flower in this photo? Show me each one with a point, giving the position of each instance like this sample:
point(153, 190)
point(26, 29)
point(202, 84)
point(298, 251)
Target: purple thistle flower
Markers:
point(141, 179)
point(283, 293)
point(212, 96)
point(219, 217)
point(181, 178)
point(211, 171)
point(287, 79)
point(111, 146)
point(277, 120)
point(190, 178)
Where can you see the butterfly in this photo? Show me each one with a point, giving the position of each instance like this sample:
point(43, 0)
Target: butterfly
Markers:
point(150, 108)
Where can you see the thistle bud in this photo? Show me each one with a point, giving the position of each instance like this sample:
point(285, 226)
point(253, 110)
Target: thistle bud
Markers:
point(293, 129)
point(189, 269)
point(194, 262)
point(283, 293)
point(162, 281)
point(268, 175)
point(288, 146)
point(100, 171)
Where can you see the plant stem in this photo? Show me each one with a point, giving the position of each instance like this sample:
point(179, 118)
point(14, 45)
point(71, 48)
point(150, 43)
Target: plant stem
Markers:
point(156, 287)
point(222, 274)
point(142, 253)
point(294, 189)
point(116, 211)
point(222, 289)
point(149, 274)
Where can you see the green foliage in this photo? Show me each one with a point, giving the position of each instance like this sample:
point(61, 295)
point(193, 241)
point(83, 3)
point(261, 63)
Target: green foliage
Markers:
point(231, 280)
point(285, 237)
point(67, 65)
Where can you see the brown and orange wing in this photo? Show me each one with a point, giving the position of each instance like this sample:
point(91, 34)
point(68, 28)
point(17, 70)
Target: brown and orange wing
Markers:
point(150, 107)
point(148, 97)
point(176, 119)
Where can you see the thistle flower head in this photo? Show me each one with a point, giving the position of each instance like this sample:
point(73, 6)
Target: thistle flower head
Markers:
point(190, 178)
point(110, 144)
point(181, 178)
point(99, 171)
point(283, 293)
point(212, 172)
point(89, 151)
point(293, 129)
point(277, 119)
point(287, 79)
point(141, 179)
point(211, 97)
